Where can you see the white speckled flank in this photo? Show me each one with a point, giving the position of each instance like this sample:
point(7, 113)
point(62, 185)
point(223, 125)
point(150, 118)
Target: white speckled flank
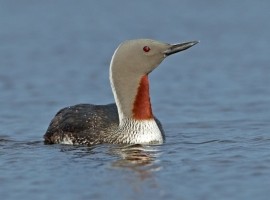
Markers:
point(66, 140)
point(131, 132)
point(141, 132)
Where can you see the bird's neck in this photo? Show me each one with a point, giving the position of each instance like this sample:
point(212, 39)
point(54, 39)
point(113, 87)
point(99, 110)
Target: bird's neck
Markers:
point(132, 97)
point(141, 109)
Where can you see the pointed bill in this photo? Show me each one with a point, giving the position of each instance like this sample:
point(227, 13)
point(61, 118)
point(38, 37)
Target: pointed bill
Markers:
point(175, 48)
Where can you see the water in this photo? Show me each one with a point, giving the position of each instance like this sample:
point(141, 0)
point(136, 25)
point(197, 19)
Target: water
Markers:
point(213, 99)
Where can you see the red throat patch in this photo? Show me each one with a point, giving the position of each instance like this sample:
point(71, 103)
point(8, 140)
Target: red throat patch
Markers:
point(142, 106)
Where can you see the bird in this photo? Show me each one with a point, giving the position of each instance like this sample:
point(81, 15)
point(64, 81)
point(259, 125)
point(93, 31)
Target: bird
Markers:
point(130, 120)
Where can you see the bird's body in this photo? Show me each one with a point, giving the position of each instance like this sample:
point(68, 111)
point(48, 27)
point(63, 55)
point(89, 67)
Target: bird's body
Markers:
point(130, 120)
point(90, 124)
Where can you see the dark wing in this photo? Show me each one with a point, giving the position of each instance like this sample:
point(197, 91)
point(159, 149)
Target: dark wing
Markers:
point(82, 121)
point(160, 128)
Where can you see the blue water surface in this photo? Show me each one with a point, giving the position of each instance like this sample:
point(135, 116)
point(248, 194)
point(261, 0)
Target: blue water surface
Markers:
point(213, 99)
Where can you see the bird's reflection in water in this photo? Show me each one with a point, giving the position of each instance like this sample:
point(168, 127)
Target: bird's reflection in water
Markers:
point(142, 159)
point(137, 163)
point(139, 158)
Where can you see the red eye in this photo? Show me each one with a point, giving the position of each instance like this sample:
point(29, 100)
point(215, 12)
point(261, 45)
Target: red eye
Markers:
point(146, 49)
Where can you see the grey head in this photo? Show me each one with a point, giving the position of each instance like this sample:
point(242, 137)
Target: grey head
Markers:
point(141, 56)
point(133, 60)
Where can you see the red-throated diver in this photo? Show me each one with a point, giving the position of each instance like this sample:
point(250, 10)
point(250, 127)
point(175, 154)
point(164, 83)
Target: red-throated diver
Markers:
point(130, 120)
